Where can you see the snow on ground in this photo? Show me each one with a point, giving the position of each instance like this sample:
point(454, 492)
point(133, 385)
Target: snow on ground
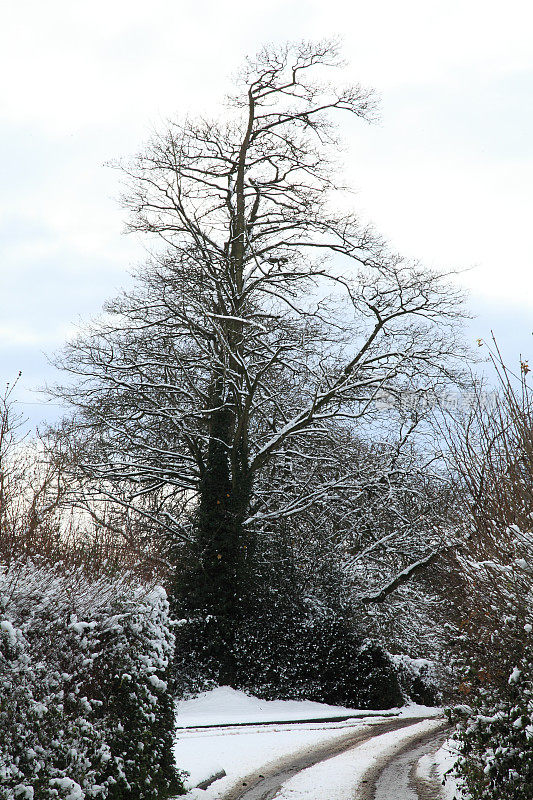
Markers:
point(342, 773)
point(227, 706)
point(241, 750)
point(445, 758)
point(224, 706)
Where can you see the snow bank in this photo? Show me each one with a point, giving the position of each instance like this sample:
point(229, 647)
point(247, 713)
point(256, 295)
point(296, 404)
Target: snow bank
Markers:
point(445, 759)
point(225, 706)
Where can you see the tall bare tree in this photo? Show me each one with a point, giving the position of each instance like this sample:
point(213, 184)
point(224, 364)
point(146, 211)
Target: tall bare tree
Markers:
point(266, 321)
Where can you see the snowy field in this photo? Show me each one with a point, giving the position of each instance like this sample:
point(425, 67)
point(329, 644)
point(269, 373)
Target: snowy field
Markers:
point(239, 751)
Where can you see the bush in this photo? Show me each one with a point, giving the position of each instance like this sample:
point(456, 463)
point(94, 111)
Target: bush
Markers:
point(293, 637)
point(492, 453)
point(495, 735)
point(419, 679)
point(85, 711)
point(319, 658)
point(279, 657)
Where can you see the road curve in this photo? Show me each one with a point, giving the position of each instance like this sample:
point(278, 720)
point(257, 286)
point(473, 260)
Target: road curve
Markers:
point(265, 784)
point(396, 775)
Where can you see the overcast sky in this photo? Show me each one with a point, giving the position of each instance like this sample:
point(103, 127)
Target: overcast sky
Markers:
point(446, 176)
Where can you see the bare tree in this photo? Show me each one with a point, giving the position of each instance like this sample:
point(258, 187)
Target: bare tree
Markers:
point(491, 452)
point(265, 322)
point(30, 487)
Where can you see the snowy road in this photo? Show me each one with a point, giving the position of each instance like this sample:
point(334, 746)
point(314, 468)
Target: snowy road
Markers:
point(239, 747)
point(409, 775)
point(376, 764)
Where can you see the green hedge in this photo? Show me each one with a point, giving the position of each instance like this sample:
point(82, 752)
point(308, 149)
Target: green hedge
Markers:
point(276, 656)
point(495, 738)
point(84, 708)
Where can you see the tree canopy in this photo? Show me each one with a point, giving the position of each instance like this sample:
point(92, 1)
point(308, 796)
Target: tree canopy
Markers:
point(220, 395)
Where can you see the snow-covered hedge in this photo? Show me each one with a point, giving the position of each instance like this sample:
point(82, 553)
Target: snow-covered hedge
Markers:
point(294, 637)
point(495, 739)
point(278, 657)
point(420, 679)
point(84, 709)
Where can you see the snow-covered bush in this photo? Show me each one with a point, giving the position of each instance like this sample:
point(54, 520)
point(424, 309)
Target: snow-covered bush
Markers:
point(296, 636)
point(84, 709)
point(492, 453)
point(420, 679)
point(322, 660)
point(495, 739)
point(317, 658)
point(279, 655)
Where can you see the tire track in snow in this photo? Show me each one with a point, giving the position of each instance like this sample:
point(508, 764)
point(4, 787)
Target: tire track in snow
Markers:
point(396, 775)
point(265, 784)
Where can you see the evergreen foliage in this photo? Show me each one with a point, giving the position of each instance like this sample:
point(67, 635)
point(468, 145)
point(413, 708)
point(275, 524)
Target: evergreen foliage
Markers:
point(295, 637)
point(283, 656)
point(495, 738)
point(419, 679)
point(85, 711)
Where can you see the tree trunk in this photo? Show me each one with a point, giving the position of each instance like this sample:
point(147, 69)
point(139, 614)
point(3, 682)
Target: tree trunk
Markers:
point(217, 584)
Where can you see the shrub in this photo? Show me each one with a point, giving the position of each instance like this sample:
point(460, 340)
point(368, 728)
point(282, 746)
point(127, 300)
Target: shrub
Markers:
point(281, 657)
point(495, 739)
point(293, 637)
point(85, 711)
point(419, 678)
point(492, 450)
